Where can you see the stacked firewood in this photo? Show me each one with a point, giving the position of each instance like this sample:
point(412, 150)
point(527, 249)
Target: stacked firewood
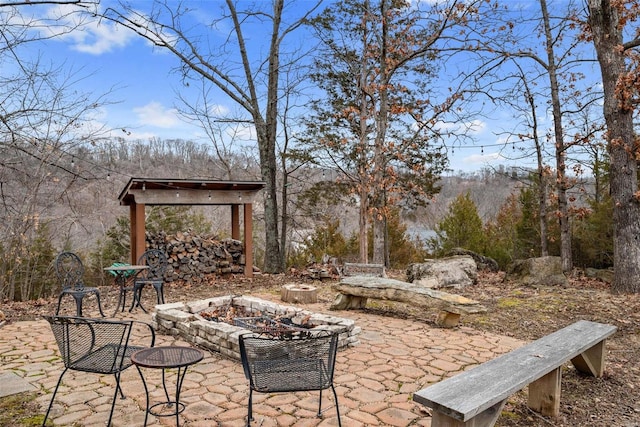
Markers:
point(192, 256)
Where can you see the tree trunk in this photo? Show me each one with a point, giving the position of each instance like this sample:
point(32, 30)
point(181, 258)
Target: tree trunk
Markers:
point(364, 241)
point(363, 176)
point(273, 257)
point(542, 178)
point(561, 178)
point(378, 239)
point(379, 182)
point(618, 114)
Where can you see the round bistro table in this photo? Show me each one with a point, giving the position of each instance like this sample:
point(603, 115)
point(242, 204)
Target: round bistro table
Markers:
point(122, 272)
point(167, 357)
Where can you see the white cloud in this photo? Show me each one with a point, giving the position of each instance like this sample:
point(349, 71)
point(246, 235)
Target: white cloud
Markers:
point(154, 114)
point(468, 128)
point(91, 36)
point(101, 38)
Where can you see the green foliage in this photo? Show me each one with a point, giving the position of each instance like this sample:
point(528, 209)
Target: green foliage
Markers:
point(21, 410)
point(461, 227)
point(26, 263)
point(172, 219)
point(402, 250)
point(501, 236)
point(593, 232)
point(326, 240)
point(528, 228)
point(593, 236)
point(41, 255)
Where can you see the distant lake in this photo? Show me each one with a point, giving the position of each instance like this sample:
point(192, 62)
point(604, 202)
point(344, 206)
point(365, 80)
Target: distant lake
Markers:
point(421, 233)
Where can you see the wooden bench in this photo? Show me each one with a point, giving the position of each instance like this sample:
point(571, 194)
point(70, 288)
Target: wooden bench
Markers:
point(475, 398)
point(355, 291)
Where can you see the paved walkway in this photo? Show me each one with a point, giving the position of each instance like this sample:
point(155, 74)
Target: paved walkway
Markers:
point(374, 380)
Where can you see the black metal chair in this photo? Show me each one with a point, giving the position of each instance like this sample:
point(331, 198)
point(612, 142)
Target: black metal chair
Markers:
point(296, 362)
point(156, 260)
point(70, 271)
point(95, 345)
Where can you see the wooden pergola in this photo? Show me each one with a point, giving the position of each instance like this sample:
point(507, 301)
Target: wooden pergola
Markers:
point(140, 192)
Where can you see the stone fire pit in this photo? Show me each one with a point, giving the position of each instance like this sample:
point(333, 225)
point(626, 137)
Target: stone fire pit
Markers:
point(185, 320)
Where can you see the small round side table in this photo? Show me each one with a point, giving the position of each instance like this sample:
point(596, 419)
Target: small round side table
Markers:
point(167, 357)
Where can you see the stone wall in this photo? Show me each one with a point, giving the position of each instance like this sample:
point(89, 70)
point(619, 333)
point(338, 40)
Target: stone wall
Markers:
point(182, 319)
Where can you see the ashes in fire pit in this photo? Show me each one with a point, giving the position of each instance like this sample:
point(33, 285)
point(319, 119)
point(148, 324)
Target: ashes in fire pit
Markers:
point(226, 313)
point(217, 323)
point(255, 321)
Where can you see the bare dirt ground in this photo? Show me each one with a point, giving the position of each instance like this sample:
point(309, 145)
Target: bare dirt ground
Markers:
point(514, 310)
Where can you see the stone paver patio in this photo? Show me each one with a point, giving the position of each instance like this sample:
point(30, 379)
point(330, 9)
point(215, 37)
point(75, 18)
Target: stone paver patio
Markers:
point(374, 380)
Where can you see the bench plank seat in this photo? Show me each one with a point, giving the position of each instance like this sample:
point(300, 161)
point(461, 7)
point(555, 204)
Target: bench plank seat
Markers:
point(476, 397)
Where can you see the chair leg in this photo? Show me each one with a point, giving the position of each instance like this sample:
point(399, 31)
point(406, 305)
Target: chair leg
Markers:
point(250, 411)
point(122, 298)
point(159, 292)
point(44, 422)
point(335, 397)
point(78, 299)
point(115, 395)
point(137, 297)
point(99, 304)
point(320, 405)
point(59, 302)
point(118, 385)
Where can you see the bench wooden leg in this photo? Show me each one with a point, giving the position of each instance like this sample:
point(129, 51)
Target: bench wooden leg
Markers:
point(348, 302)
point(487, 418)
point(591, 361)
point(544, 393)
point(448, 319)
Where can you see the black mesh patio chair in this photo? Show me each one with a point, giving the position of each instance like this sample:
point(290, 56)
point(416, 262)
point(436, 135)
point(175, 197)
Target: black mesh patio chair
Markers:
point(156, 260)
point(70, 272)
point(95, 345)
point(302, 362)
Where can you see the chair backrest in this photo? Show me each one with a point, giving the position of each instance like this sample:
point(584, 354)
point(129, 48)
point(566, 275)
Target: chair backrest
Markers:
point(304, 362)
point(156, 260)
point(92, 345)
point(70, 270)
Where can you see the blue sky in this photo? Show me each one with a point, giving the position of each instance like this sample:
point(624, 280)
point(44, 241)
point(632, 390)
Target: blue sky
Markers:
point(143, 88)
point(137, 76)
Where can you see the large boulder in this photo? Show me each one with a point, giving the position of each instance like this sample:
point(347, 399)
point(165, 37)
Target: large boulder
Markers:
point(451, 272)
point(483, 262)
point(546, 271)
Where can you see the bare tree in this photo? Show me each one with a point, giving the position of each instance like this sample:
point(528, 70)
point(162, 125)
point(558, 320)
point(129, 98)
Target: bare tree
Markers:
point(608, 21)
point(556, 65)
point(248, 77)
point(45, 127)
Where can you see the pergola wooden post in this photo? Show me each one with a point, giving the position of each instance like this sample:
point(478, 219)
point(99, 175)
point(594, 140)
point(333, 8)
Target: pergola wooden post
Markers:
point(248, 242)
point(140, 192)
point(138, 232)
point(235, 222)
